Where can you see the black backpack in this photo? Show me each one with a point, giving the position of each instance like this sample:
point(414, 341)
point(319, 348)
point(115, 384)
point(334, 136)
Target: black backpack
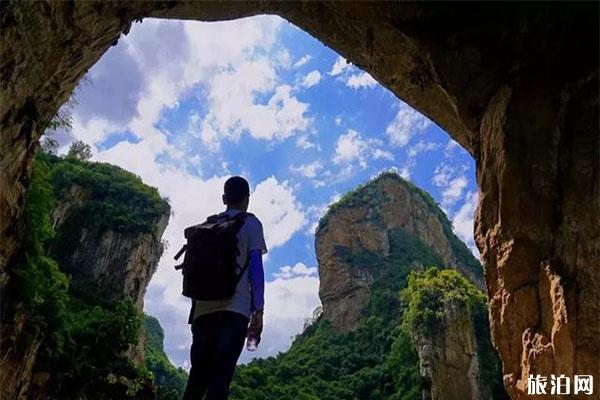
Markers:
point(210, 270)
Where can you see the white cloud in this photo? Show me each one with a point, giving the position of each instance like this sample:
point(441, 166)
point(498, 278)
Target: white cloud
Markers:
point(452, 180)
point(382, 154)
point(421, 147)
point(442, 175)
point(302, 61)
point(299, 269)
point(405, 125)
point(352, 148)
point(361, 80)
point(289, 301)
point(463, 221)
point(308, 170)
point(281, 214)
point(311, 79)
point(340, 66)
point(450, 147)
point(304, 143)
point(454, 191)
point(234, 109)
point(338, 120)
point(282, 59)
point(405, 172)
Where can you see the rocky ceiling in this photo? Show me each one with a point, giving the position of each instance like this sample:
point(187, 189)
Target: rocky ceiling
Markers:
point(515, 84)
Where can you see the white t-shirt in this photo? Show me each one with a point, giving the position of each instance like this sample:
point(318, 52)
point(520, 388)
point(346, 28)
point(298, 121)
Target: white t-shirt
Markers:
point(250, 237)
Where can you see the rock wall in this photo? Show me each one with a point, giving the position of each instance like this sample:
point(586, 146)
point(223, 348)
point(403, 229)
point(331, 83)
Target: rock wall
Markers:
point(515, 84)
point(448, 360)
point(119, 265)
point(385, 204)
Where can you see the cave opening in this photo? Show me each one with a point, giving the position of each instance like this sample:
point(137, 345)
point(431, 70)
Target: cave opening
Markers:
point(469, 68)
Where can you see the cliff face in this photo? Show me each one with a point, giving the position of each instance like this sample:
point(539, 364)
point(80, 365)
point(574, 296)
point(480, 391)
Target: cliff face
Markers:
point(492, 75)
point(394, 325)
point(95, 239)
point(364, 221)
point(118, 264)
point(447, 321)
point(448, 361)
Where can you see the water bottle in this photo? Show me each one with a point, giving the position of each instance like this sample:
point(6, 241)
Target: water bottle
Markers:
point(252, 341)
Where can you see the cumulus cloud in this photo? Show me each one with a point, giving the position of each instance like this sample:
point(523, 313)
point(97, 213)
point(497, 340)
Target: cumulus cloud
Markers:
point(304, 143)
point(308, 170)
point(352, 147)
point(279, 210)
point(452, 181)
point(463, 222)
point(311, 79)
point(340, 66)
point(454, 190)
point(302, 61)
point(405, 125)
point(234, 108)
point(361, 80)
point(299, 269)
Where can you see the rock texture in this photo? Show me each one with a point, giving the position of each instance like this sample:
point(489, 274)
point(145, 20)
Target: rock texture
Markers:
point(118, 265)
point(448, 360)
point(515, 84)
point(363, 222)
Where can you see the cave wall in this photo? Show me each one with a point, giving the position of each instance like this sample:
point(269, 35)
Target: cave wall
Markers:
point(515, 84)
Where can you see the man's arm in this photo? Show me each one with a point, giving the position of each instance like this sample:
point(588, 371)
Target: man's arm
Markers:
point(257, 280)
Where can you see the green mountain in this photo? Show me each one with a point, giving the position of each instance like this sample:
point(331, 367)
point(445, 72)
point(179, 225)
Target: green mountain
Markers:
point(93, 240)
point(392, 327)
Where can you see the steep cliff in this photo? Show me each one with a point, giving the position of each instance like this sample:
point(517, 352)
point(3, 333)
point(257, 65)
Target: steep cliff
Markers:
point(369, 343)
point(93, 242)
point(366, 222)
point(446, 317)
point(108, 229)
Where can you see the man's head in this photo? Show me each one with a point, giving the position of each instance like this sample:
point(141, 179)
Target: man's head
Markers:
point(236, 193)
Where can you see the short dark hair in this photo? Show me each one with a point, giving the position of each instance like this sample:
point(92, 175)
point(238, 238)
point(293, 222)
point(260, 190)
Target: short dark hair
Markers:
point(235, 189)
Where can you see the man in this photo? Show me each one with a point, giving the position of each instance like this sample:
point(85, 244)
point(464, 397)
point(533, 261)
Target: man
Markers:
point(220, 327)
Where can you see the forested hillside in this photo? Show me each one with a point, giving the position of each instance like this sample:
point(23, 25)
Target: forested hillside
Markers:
point(403, 292)
point(87, 336)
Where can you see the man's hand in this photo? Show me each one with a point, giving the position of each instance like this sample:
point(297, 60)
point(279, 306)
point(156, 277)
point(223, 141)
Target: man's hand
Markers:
point(256, 325)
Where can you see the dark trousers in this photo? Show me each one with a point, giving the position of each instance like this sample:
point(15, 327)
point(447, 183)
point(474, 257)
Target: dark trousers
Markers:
point(218, 339)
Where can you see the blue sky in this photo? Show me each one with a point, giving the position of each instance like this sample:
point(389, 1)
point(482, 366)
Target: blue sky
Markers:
point(187, 104)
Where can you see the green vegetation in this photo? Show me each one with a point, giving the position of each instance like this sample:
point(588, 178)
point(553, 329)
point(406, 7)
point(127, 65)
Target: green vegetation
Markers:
point(117, 199)
point(429, 291)
point(170, 381)
point(369, 195)
point(377, 360)
point(424, 299)
point(87, 339)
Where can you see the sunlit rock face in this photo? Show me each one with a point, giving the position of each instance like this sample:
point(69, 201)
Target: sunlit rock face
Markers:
point(515, 84)
point(363, 221)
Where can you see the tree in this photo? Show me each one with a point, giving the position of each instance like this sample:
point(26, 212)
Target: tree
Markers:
point(80, 151)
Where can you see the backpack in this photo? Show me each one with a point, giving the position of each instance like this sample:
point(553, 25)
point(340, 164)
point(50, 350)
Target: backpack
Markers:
point(210, 270)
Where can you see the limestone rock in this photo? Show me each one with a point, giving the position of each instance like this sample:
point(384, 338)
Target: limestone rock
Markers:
point(383, 205)
point(516, 84)
point(448, 360)
point(119, 265)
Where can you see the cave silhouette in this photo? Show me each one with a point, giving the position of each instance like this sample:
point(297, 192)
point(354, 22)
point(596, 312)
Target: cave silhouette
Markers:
point(515, 84)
